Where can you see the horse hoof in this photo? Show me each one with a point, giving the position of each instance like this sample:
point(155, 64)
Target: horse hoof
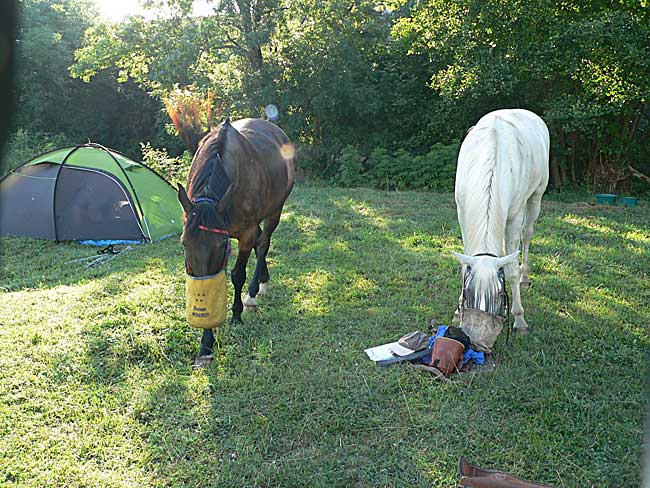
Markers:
point(250, 304)
point(264, 288)
point(236, 320)
point(520, 330)
point(525, 284)
point(203, 361)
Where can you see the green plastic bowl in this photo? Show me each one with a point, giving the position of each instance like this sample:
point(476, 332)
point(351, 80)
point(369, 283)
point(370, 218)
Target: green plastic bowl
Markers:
point(629, 201)
point(606, 199)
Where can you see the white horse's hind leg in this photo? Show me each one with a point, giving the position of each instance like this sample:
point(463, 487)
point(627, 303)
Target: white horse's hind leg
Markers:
point(512, 272)
point(532, 212)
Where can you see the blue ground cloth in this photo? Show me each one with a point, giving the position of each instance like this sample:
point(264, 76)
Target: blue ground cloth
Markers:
point(477, 356)
point(108, 242)
point(118, 242)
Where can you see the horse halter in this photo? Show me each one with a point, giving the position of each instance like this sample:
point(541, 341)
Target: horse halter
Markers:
point(214, 230)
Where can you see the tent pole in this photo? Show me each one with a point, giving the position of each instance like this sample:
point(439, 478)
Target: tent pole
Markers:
point(56, 185)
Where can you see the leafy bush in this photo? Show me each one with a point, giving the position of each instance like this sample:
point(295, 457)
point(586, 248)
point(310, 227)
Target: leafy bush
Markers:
point(400, 170)
point(175, 169)
point(24, 145)
point(351, 172)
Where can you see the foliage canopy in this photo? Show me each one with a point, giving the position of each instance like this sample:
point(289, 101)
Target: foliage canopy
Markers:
point(359, 74)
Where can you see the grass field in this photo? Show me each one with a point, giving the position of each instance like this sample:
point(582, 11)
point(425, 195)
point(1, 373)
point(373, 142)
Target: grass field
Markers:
point(96, 388)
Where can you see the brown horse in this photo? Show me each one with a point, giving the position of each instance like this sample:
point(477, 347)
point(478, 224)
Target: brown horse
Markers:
point(241, 175)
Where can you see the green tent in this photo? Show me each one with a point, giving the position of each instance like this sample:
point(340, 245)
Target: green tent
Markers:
point(88, 192)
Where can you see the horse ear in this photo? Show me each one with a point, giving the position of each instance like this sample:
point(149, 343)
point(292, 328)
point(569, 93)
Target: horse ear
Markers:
point(505, 260)
point(225, 199)
point(184, 199)
point(466, 260)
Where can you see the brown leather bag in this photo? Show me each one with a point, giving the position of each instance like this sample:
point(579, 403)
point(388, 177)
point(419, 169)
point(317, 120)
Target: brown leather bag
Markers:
point(447, 355)
point(475, 477)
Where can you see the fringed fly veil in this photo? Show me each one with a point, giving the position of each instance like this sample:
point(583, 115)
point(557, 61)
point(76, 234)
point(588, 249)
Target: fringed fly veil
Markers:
point(484, 313)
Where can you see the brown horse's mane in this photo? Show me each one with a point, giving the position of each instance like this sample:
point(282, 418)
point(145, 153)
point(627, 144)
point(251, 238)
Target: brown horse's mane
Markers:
point(209, 180)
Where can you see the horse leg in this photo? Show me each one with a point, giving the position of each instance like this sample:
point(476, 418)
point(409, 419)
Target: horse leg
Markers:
point(512, 272)
point(261, 275)
point(264, 278)
point(204, 358)
point(238, 275)
point(532, 212)
point(207, 341)
point(457, 313)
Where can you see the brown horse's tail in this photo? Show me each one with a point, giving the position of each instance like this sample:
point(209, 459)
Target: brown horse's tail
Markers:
point(191, 114)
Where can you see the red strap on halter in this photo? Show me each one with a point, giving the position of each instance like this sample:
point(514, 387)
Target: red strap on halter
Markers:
point(211, 229)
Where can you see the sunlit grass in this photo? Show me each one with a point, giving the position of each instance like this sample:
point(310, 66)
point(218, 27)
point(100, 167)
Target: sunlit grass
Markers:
point(96, 387)
point(309, 297)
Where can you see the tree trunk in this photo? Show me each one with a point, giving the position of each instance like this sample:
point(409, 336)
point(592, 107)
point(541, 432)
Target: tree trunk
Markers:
point(563, 173)
point(255, 58)
point(249, 20)
point(554, 171)
point(572, 167)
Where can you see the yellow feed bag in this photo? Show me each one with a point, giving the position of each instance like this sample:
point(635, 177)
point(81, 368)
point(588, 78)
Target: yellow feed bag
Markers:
point(206, 300)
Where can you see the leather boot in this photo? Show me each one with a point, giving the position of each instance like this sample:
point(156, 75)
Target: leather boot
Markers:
point(475, 477)
point(447, 355)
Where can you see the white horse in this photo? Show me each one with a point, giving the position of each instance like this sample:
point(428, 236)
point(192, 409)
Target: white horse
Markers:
point(501, 176)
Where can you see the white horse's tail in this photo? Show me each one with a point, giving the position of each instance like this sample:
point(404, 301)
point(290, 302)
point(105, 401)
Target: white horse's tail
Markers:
point(477, 193)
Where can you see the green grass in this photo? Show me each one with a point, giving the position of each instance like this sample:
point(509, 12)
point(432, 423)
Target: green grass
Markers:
point(96, 388)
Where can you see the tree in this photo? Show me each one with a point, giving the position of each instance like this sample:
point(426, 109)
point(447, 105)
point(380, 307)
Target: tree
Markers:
point(582, 66)
point(328, 61)
point(49, 33)
point(51, 102)
point(327, 65)
point(221, 52)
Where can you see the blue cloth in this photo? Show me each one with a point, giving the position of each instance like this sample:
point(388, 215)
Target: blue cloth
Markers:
point(107, 242)
point(439, 333)
point(477, 356)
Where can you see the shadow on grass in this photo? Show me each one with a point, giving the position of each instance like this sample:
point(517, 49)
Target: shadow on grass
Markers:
point(28, 263)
